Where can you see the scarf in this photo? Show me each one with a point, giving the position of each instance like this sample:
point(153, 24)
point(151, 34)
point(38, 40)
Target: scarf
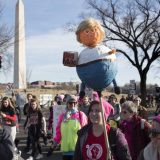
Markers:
point(68, 114)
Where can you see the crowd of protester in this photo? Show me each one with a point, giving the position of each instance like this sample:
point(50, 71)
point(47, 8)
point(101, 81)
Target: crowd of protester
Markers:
point(80, 132)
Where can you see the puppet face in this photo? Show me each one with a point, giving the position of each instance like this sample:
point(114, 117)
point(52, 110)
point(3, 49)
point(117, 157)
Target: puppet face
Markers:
point(90, 36)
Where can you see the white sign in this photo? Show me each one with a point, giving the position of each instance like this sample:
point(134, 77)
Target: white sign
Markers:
point(132, 87)
point(45, 99)
point(57, 110)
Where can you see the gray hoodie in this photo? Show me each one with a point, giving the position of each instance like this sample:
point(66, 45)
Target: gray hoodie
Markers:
point(6, 144)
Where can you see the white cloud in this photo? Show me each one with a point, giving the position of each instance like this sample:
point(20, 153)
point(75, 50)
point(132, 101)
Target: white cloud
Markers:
point(44, 54)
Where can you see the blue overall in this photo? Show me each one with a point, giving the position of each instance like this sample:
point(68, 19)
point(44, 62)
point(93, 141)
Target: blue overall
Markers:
point(97, 74)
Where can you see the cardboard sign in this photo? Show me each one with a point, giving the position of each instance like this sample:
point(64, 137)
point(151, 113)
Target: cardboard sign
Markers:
point(45, 99)
point(70, 58)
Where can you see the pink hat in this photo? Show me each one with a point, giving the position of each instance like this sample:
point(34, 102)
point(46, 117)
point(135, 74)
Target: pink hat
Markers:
point(108, 108)
point(72, 98)
point(157, 118)
point(61, 97)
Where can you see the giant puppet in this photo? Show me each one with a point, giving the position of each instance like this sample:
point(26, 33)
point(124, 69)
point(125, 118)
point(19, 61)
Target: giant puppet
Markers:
point(96, 66)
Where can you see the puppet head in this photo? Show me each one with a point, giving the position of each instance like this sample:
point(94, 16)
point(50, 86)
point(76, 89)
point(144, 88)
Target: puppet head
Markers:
point(90, 32)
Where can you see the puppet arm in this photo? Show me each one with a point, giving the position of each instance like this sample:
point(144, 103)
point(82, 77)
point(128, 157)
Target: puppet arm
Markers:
point(113, 51)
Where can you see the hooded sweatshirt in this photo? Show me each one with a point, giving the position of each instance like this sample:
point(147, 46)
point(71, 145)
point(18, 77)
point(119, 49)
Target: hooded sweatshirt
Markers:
point(6, 144)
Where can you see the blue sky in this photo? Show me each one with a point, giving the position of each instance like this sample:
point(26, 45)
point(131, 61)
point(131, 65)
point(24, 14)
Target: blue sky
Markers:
point(46, 40)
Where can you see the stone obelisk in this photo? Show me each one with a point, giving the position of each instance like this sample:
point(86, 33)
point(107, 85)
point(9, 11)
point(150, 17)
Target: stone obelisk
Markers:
point(19, 48)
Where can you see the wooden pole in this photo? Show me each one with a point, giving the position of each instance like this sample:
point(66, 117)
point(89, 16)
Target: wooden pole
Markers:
point(104, 127)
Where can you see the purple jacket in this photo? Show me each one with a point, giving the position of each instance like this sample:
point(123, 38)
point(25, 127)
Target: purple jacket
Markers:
point(118, 144)
point(136, 136)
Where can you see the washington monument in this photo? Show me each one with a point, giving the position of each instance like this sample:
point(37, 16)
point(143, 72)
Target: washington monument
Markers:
point(19, 48)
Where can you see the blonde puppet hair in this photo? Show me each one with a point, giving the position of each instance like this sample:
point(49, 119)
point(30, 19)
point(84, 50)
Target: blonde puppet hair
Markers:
point(90, 23)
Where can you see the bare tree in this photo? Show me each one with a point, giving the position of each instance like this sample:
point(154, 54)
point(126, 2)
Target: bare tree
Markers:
point(6, 41)
point(135, 24)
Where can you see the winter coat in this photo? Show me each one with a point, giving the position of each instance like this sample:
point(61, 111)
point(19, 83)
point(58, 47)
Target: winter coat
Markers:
point(117, 141)
point(66, 130)
point(136, 134)
point(6, 145)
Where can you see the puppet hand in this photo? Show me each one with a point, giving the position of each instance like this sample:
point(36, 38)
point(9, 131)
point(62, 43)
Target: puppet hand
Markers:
point(113, 51)
point(117, 90)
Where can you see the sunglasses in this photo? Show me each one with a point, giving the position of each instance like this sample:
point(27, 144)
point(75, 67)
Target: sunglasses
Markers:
point(71, 103)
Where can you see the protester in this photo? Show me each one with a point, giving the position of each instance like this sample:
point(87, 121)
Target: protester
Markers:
point(107, 106)
point(142, 111)
point(8, 114)
point(84, 107)
point(152, 150)
point(122, 100)
point(18, 118)
point(81, 95)
point(34, 123)
point(27, 105)
point(56, 97)
point(69, 123)
point(60, 99)
point(130, 97)
point(117, 109)
point(50, 120)
point(91, 139)
point(6, 144)
point(65, 98)
point(25, 112)
point(135, 128)
point(16, 106)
